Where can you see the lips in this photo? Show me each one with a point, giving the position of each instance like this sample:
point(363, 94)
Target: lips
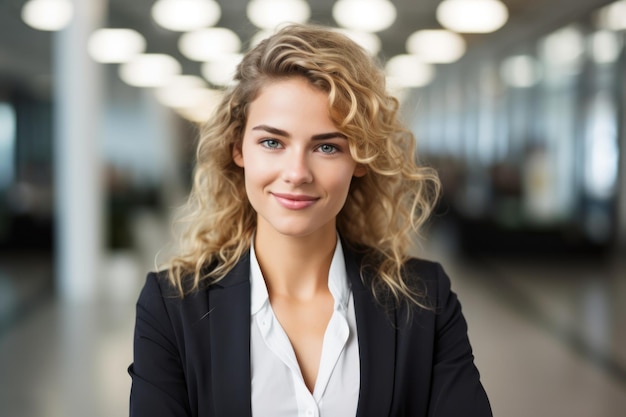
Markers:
point(295, 201)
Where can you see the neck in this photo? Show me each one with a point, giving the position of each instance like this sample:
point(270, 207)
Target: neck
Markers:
point(295, 266)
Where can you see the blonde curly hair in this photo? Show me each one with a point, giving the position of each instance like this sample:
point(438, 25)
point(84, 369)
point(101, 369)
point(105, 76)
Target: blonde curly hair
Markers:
point(384, 209)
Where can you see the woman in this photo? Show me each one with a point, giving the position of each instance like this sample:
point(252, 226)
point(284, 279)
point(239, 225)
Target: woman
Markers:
point(293, 293)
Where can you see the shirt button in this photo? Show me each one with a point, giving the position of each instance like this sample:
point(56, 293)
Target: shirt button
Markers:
point(310, 412)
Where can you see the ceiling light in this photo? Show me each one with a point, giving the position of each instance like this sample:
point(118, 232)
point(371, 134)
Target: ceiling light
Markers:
point(115, 45)
point(149, 70)
point(520, 71)
point(180, 91)
point(437, 46)
point(222, 70)
point(605, 46)
point(397, 90)
point(366, 40)
point(472, 16)
point(566, 46)
point(268, 14)
point(409, 71)
point(260, 36)
point(209, 44)
point(47, 14)
point(206, 102)
point(613, 16)
point(185, 15)
point(365, 15)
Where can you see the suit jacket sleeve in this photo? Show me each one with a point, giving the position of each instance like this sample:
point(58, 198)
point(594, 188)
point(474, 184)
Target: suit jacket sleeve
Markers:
point(456, 389)
point(158, 381)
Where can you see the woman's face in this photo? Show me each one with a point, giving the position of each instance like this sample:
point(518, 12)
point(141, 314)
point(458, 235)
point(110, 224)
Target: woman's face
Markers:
point(297, 166)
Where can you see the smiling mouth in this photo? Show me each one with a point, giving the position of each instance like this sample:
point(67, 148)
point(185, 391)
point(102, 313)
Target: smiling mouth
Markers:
point(295, 202)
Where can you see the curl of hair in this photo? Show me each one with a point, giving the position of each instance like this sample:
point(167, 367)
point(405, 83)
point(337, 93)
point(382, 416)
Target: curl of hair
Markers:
point(384, 209)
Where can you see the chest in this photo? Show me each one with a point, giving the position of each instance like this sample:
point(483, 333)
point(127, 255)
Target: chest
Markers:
point(322, 382)
point(305, 324)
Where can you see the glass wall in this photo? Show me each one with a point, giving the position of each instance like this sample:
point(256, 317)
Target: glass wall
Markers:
point(25, 173)
point(527, 141)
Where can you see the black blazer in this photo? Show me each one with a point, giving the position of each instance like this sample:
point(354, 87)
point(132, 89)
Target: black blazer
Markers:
point(192, 355)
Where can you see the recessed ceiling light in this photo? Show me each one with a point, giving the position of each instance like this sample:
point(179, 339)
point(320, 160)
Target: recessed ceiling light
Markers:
point(268, 14)
point(365, 15)
point(149, 70)
point(221, 70)
point(520, 71)
point(437, 46)
point(260, 36)
point(409, 71)
point(208, 44)
point(180, 91)
point(206, 102)
point(613, 16)
point(565, 46)
point(185, 15)
point(115, 45)
point(605, 46)
point(472, 16)
point(47, 15)
point(368, 41)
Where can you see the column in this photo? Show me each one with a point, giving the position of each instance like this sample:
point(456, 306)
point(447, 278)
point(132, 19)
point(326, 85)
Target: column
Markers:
point(78, 183)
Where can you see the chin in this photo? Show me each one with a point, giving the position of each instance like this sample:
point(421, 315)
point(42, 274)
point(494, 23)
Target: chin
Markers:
point(296, 230)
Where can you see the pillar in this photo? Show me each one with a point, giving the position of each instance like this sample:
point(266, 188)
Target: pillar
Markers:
point(78, 85)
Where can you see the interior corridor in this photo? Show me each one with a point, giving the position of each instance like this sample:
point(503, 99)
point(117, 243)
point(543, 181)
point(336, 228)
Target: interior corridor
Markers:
point(548, 337)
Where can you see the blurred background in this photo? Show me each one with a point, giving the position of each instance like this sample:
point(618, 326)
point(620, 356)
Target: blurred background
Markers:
point(519, 104)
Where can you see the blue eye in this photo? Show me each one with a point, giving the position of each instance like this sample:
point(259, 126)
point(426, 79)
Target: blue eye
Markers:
point(270, 143)
point(327, 148)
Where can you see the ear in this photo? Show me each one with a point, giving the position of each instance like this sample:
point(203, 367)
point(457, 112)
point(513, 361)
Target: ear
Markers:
point(238, 155)
point(360, 170)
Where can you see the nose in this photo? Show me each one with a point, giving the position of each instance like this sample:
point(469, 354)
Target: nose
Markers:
point(297, 169)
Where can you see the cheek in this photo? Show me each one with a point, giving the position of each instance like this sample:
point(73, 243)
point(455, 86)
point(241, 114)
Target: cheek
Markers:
point(257, 171)
point(340, 181)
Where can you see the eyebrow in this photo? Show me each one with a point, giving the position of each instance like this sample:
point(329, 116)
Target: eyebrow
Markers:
point(280, 132)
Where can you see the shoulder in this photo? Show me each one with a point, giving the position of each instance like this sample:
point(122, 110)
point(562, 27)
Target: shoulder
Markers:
point(160, 289)
point(425, 269)
point(159, 298)
point(429, 279)
point(160, 294)
point(424, 278)
point(413, 269)
point(159, 284)
point(431, 273)
point(162, 284)
point(156, 288)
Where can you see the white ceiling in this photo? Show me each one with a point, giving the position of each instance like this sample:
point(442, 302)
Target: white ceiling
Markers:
point(25, 53)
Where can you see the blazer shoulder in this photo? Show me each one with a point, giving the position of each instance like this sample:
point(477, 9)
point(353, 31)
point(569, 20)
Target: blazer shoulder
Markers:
point(423, 277)
point(427, 269)
point(158, 284)
point(159, 281)
point(158, 288)
point(413, 270)
point(428, 278)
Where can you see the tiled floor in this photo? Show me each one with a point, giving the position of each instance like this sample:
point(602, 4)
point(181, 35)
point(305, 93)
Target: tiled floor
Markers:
point(529, 366)
point(549, 340)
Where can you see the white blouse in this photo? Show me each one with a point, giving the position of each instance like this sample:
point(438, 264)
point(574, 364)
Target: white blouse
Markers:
point(278, 388)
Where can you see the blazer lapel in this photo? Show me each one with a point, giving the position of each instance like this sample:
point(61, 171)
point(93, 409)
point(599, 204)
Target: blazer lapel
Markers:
point(229, 308)
point(377, 345)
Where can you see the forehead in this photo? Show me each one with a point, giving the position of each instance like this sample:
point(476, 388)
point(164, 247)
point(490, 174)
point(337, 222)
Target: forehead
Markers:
point(290, 98)
point(283, 84)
